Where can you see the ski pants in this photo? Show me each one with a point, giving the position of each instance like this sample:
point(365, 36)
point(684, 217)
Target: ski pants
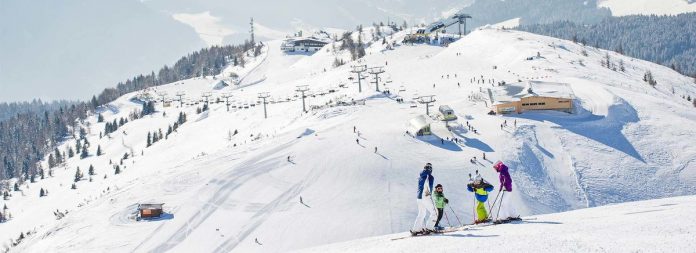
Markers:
point(507, 210)
point(440, 211)
point(481, 213)
point(425, 205)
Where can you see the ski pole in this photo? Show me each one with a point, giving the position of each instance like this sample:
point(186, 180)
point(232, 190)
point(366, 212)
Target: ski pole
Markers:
point(500, 205)
point(493, 206)
point(455, 216)
point(447, 219)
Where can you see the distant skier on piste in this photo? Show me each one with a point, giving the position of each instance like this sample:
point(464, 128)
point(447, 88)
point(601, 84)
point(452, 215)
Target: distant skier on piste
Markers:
point(425, 202)
point(480, 188)
point(506, 211)
point(440, 202)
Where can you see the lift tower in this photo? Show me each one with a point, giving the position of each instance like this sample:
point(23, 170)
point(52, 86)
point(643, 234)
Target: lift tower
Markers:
point(376, 71)
point(302, 89)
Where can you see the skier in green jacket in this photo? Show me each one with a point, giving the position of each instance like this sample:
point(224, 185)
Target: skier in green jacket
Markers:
point(440, 202)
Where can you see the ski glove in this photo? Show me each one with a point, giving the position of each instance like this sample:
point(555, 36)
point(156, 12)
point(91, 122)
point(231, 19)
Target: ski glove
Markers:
point(446, 201)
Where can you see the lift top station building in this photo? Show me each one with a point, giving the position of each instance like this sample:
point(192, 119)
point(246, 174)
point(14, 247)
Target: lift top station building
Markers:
point(531, 95)
point(303, 44)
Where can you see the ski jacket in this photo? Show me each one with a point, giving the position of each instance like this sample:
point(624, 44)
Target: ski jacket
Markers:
point(481, 193)
point(425, 175)
point(504, 176)
point(439, 199)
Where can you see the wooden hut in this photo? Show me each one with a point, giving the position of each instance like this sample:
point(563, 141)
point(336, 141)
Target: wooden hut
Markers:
point(150, 210)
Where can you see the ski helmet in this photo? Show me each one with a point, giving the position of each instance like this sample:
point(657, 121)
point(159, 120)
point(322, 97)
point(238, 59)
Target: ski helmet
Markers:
point(497, 166)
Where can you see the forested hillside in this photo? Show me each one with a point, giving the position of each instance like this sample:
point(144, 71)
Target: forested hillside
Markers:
point(667, 40)
point(535, 12)
point(30, 131)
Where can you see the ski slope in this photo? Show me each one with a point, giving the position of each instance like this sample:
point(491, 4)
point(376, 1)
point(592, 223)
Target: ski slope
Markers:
point(645, 226)
point(225, 192)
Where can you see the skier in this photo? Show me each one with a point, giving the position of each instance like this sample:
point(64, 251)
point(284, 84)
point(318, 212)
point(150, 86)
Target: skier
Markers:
point(506, 209)
point(440, 202)
point(357, 141)
point(480, 188)
point(425, 203)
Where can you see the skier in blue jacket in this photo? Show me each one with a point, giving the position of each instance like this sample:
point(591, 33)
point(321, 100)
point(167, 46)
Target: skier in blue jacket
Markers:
point(425, 203)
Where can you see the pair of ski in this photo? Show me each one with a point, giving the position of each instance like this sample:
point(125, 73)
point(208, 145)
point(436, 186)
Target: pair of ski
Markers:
point(457, 229)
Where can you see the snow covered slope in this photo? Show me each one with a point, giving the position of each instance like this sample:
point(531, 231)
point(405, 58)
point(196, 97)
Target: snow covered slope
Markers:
point(227, 182)
point(648, 7)
point(646, 226)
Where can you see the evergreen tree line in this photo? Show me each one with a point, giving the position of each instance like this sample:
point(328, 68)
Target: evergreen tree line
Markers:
point(29, 131)
point(155, 136)
point(8, 110)
point(666, 40)
point(208, 61)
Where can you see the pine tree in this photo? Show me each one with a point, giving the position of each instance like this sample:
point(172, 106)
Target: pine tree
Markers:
point(622, 66)
point(99, 151)
point(16, 187)
point(71, 153)
point(117, 169)
point(42, 193)
point(74, 186)
point(51, 161)
point(100, 118)
point(78, 174)
point(78, 146)
point(125, 156)
point(91, 170)
point(41, 172)
point(59, 157)
point(84, 153)
point(149, 140)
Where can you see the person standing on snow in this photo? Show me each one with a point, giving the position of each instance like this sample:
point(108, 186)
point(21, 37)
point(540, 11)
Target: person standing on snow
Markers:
point(480, 188)
point(506, 210)
point(425, 202)
point(440, 202)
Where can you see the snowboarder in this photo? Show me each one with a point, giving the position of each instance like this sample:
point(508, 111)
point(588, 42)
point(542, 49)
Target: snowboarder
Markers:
point(505, 210)
point(440, 202)
point(480, 188)
point(424, 201)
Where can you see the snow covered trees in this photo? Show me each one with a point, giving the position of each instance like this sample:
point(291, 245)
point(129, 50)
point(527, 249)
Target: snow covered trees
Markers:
point(148, 108)
point(84, 154)
point(99, 151)
point(627, 35)
point(648, 78)
point(78, 174)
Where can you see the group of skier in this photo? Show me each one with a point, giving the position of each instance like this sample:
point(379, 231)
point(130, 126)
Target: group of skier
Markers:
point(433, 203)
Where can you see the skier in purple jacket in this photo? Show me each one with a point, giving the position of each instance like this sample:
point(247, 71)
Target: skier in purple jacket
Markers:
point(506, 209)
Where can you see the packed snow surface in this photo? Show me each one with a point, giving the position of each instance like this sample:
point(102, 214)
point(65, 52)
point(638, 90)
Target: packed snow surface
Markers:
point(646, 226)
point(232, 180)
